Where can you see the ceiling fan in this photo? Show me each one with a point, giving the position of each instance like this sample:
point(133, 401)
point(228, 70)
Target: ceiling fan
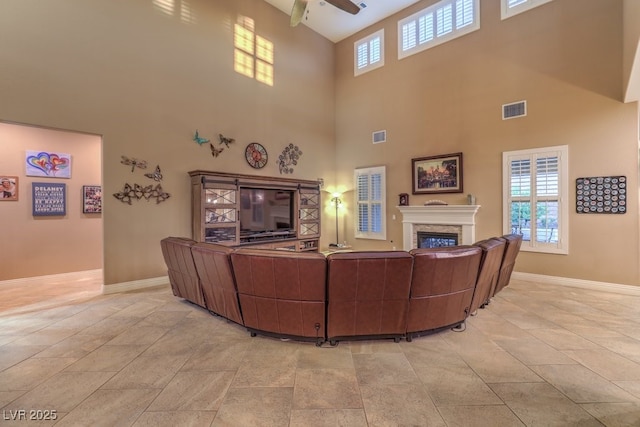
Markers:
point(299, 7)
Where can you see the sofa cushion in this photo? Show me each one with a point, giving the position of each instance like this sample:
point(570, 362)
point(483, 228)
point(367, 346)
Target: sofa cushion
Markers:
point(213, 264)
point(183, 276)
point(492, 251)
point(368, 293)
point(513, 243)
point(282, 292)
point(442, 286)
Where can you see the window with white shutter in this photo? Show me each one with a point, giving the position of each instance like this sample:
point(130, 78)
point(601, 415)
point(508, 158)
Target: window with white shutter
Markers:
point(514, 7)
point(439, 23)
point(536, 198)
point(369, 53)
point(370, 203)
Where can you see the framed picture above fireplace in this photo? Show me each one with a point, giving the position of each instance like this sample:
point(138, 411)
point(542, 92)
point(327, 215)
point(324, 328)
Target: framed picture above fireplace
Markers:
point(437, 174)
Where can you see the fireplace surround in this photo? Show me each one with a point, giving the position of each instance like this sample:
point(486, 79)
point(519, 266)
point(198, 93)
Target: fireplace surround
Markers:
point(459, 219)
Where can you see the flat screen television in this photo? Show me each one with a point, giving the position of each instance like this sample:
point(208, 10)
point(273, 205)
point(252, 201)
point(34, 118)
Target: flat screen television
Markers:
point(266, 211)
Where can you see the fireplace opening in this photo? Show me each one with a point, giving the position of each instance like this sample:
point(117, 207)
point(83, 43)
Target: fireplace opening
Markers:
point(429, 239)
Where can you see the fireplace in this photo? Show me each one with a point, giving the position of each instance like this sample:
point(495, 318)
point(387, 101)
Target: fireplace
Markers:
point(448, 219)
point(427, 239)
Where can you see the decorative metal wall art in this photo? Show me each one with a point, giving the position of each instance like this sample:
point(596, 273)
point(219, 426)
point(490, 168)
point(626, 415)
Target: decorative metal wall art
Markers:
point(142, 164)
point(156, 175)
point(198, 139)
point(289, 158)
point(226, 141)
point(138, 192)
point(601, 195)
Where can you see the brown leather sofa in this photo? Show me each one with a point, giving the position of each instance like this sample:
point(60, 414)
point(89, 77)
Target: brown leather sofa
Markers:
point(442, 286)
point(349, 295)
point(213, 265)
point(368, 294)
point(492, 251)
point(513, 242)
point(183, 276)
point(282, 293)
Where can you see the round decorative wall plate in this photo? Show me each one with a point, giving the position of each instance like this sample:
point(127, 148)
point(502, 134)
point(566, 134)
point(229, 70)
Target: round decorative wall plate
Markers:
point(256, 155)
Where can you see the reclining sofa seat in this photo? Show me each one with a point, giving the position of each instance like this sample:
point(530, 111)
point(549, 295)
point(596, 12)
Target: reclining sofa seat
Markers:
point(513, 242)
point(442, 287)
point(213, 264)
point(492, 251)
point(282, 293)
point(183, 276)
point(368, 294)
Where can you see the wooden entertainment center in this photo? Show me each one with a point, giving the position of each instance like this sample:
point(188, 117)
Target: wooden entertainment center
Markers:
point(256, 211)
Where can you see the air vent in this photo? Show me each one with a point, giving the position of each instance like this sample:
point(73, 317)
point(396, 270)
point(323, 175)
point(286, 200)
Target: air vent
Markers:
point(379, 136)
point(362, 5)
point(513, 110)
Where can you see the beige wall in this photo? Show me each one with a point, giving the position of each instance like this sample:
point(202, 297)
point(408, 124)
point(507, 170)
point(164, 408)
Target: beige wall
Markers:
point(565, 59)
point(631, 49)
point(43, 245)
point(145, 80)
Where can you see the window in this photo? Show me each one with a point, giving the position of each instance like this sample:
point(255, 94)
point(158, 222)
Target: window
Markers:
point(368, 53)
point(514, 7)
point(370, 203)
point(439, 23)
point(535, 202)
point(253, 55)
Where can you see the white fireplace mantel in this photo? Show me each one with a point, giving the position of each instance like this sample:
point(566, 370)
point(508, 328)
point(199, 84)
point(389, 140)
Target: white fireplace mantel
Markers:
point(449, 215)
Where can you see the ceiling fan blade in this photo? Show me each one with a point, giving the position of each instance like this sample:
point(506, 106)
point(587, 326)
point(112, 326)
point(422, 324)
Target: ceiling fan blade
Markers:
point(299, 6)
point(345, 5)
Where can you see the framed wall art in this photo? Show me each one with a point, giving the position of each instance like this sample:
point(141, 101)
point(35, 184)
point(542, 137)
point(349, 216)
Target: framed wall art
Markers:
point(49, 198)
point(91, 199)
point(601, 195)
point(49, 165)
point(8, 188)
point(437, 174)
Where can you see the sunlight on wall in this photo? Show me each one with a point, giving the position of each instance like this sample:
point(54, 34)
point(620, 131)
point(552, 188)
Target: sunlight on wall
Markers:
point(179, 8)
point(253, 55)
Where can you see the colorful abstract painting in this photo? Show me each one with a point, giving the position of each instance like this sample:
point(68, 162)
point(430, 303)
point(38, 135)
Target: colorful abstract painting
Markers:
point(52, 165)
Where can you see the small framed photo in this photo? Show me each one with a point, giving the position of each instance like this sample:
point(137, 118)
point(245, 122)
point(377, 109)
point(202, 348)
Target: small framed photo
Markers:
point(8, 188)
point(91, 199)
point(437, 174)
point(404, 199)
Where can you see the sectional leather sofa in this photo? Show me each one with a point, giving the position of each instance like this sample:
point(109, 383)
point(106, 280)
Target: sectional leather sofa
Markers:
point(341, 296)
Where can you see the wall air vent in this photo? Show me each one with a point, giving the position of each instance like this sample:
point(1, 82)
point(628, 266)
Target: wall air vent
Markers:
point(379, 136)
point(513, 110)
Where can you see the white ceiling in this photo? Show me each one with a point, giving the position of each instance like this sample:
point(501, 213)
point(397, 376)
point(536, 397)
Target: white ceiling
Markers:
point(334, 24)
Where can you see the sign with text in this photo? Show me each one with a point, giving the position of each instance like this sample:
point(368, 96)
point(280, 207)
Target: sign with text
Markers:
point(49, 199)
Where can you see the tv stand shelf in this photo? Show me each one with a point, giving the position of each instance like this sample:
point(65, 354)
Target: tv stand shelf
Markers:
point(224, 201)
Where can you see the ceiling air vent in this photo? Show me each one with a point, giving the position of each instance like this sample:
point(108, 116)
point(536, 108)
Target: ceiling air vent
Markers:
point(513, 110)
point(379, 136)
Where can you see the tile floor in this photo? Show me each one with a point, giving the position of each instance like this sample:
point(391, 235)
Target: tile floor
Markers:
point(538, 355)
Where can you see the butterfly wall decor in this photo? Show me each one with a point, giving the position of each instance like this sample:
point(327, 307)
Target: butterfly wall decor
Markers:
point(156, 175)
point(215, 152)
point(226, 141)
point(138, 192)
point(142, 164)
point(197, 138)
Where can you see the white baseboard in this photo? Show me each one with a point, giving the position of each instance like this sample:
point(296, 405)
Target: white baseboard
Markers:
point(88, 276)
point(135, 285)
point(577, 283)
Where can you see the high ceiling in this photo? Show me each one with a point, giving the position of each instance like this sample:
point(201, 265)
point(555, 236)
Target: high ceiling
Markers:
point(334, 24)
